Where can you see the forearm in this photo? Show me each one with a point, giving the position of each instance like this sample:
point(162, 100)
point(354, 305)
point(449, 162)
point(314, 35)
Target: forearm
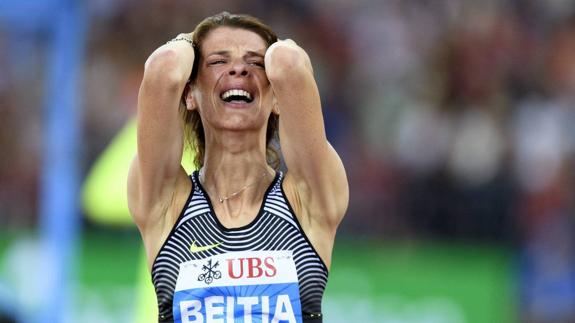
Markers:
point(285, 61)
point(314, 168)
point(171, 63)
point(160, 133)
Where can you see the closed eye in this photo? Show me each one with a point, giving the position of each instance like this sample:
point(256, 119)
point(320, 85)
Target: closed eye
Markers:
point(217, 62)
point(258, 64)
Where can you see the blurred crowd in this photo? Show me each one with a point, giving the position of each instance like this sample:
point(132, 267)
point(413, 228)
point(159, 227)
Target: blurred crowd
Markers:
point(455, 118)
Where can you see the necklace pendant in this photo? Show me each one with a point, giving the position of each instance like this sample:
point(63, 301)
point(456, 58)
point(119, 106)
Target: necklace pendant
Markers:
point(222, 199)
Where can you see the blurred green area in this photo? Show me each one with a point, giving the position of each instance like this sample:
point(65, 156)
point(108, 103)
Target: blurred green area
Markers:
point(424, 281)
point(370, 281)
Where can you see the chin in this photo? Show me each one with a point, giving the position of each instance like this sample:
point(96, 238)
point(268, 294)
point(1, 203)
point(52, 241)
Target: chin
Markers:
point(242, 122)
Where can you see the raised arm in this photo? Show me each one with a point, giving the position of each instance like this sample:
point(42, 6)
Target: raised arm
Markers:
point(156, 170)
point(315, 171)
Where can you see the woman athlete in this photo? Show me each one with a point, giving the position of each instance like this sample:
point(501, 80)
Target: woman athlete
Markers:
point(238, 240)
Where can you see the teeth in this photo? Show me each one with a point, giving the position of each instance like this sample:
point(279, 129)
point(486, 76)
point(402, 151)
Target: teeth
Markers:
point(236, 92)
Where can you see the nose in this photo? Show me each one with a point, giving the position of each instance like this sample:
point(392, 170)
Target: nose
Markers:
point(239, 68)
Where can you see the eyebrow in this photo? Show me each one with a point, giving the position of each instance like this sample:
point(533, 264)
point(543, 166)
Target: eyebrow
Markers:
point(221, 52)
point(254, 53)
point(250, 53)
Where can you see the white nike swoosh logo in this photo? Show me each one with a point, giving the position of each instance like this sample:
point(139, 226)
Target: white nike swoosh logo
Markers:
point(195, 248)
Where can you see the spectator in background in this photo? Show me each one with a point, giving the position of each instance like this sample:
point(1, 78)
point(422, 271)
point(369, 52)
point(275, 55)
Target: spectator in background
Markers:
point(544, 156)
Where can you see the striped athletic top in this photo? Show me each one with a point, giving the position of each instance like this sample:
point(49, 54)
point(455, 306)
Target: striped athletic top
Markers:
point(224, 257)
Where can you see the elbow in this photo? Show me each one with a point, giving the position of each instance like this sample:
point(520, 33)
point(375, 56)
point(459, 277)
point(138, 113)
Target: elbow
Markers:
point(163, 67)
point(286, 62)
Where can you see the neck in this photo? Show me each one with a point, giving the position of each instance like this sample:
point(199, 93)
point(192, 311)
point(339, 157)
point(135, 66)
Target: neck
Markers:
point(234, 160)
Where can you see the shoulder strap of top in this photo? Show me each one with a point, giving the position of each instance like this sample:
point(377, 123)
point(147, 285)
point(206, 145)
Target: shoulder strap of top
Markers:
point(276, 202)
point(196, 204)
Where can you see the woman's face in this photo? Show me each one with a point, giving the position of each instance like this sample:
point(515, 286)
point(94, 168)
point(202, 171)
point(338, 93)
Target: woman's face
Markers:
point(232, 90)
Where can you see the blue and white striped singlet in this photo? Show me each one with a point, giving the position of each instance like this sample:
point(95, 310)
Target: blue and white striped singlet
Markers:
point(266, 271)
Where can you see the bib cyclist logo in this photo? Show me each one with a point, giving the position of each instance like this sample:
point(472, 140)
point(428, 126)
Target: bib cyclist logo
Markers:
point(210, 273)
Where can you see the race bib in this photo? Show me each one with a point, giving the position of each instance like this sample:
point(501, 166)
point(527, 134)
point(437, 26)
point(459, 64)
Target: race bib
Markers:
point(249, 287)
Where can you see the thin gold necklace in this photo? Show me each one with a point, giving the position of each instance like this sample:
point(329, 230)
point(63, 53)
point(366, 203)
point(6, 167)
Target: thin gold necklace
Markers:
point(224, 198)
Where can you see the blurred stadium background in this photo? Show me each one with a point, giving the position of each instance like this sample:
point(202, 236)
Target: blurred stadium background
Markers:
point(455, 120)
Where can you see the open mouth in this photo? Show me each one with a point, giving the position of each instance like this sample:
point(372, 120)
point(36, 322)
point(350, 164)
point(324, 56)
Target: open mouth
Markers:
point(236, 96)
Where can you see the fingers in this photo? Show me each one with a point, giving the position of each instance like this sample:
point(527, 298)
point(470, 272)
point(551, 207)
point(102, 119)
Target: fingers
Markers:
point(288, 41)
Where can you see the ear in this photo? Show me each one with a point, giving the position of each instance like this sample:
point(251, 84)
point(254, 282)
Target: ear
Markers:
point(275, 106)
point(191, 102)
